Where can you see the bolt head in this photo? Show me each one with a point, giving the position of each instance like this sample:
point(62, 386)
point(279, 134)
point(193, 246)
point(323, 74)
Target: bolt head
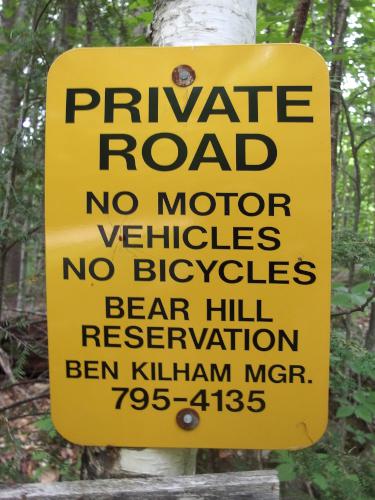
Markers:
point(187, 419)
point(183, 75)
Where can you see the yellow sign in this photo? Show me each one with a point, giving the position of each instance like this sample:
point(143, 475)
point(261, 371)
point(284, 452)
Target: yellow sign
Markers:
point(188, 246)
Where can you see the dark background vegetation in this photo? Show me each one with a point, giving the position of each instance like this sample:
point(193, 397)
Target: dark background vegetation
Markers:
point(33, 33)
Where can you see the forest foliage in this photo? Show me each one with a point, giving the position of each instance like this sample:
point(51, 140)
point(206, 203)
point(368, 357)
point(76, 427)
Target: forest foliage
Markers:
point(33, 33)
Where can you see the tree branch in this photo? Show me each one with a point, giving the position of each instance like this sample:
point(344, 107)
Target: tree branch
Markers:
point(42, 395)
point(302, 11)
point(337, 29)
point(23, 382)
point(292, 23)
point(29, 233)
point(360, 144)
point(354, 96)
point(41, 15)
point(355, 309)
point(27, 415)
point(357, 169)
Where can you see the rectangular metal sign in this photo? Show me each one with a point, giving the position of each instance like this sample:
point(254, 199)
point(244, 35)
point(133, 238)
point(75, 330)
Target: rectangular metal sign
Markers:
point(188, 246)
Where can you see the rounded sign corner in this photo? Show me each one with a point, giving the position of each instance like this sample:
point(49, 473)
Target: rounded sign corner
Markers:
point(59, 421)
point(312, 436)
point(313, 55)
point(62, 58)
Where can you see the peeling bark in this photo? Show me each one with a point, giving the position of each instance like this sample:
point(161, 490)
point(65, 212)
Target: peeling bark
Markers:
point(193, 22)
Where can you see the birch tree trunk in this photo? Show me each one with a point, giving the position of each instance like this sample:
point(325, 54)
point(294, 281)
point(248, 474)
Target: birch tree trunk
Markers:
point(190, 23)
point(176, 23)
point(197, 22)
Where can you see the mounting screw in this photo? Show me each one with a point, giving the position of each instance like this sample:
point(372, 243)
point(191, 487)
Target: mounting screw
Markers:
point(187, 419)
point(183, 75)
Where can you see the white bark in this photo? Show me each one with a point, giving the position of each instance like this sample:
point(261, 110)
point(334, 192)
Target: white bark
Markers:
point(190, 23)
point(210, 22)
point(158, 462)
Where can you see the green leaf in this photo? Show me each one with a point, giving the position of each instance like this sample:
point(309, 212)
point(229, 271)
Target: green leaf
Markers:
point(45, 424)
point(361, 288)
point(320, 481)
point(360, 438)
point(145, 16)
point(286, 472)
point(339, 287)
point(366, 399)
point(364, 413)
point(341, 299)
point(360, 396)
point(357, 300)
point(345, 411)
point(40, 456)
